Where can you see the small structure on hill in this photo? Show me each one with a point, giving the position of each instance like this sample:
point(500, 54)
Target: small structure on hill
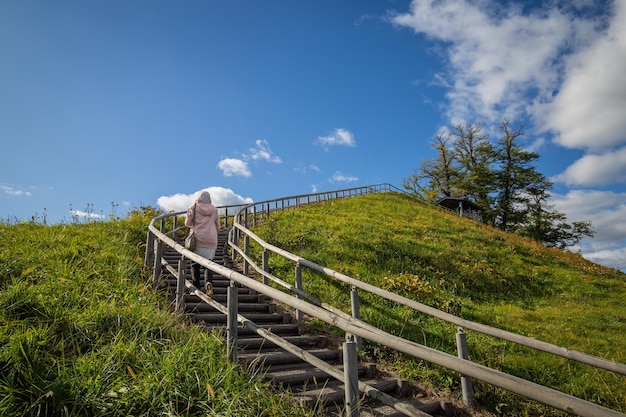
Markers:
point(463, 206)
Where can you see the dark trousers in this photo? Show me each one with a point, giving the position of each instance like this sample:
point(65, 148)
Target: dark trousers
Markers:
point(195, 275)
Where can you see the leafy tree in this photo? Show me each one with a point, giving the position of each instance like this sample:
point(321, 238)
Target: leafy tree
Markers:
point(475, 156)
point(514, 178)
point(550, 226)
point(501, 178)
point(438, 177)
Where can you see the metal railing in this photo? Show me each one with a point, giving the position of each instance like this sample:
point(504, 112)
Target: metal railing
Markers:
point(304, 303)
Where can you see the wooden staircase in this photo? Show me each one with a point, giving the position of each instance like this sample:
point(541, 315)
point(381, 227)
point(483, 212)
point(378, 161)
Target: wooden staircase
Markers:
point(283, 370)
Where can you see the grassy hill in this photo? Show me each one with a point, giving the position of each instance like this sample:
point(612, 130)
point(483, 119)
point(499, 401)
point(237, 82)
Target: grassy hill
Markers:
point(82, 335)
point(468, 269)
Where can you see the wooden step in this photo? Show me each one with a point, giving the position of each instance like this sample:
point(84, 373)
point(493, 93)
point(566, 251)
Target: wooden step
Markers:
point(255, 344)
point(308, 374)
point(243, 307)
point(280, 357)
point(254, 317)
point(282, 329)
point(333, 392)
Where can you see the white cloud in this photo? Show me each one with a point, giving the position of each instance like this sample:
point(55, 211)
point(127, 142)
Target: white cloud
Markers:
point(304, 170)
point(339, 177)
point(588, 111)
point(606, 211)
point(219, 197)
point(340, 137)
point(596, 169)
point(263, 152)
point(536, 145)
point(615, 258)
point(495, 54)
point(233, 166)
point(239, 167)
point(14, 191)
point(86, 215)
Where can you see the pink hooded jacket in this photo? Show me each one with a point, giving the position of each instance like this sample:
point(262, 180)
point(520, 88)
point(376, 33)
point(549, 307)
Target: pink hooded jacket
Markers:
point(207, 221)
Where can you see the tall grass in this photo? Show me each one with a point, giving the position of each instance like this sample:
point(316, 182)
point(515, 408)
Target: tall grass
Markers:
point(468, 269)
point(82, 334)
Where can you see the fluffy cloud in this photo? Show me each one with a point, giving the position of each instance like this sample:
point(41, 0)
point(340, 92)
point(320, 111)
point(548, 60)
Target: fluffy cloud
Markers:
point(86, 215)
point(263, 152)
point(233, 166)
point(606, 211)
point(239, 167)
point(339, 177)
point(14, 191)
point(588, 111)
point(614, 258)
point(219, 196)
point(340, 137)
point(596, 169)
point(495, 54)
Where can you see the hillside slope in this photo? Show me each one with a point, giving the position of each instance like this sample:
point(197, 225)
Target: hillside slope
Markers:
point(469, 269)
point(81, 334)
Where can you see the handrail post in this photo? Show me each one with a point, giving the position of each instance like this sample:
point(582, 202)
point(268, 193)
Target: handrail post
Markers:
point(157, 264)
point(356, 312)
point(235, 242)
point(351, 377)
point(299, 314)
point(149, 249)
point(180, 284)
point(246, 251)
point(466, 381)
point(231, 321)
point(266, 265)
point(236, 235)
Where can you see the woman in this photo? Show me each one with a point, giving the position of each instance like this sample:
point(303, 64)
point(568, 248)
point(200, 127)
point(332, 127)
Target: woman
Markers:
point(203, 218)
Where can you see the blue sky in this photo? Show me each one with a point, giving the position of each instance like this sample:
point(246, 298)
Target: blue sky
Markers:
point(110, 105)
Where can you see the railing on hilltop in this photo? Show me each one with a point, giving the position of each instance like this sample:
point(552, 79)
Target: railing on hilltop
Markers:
point(304, 303)
point(255, 212)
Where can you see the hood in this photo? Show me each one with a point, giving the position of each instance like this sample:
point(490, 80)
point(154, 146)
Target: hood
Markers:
point(205, 208)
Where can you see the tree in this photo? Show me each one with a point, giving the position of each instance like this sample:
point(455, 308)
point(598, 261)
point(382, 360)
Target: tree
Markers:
point(514, 177)
point(538, 217)
point(438, 177)
point(475, 157)
point(550, 226)
point(501, 178)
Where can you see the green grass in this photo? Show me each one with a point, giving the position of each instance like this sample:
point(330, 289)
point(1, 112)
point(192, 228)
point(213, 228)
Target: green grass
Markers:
point(81, 333)
point(468, 269)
